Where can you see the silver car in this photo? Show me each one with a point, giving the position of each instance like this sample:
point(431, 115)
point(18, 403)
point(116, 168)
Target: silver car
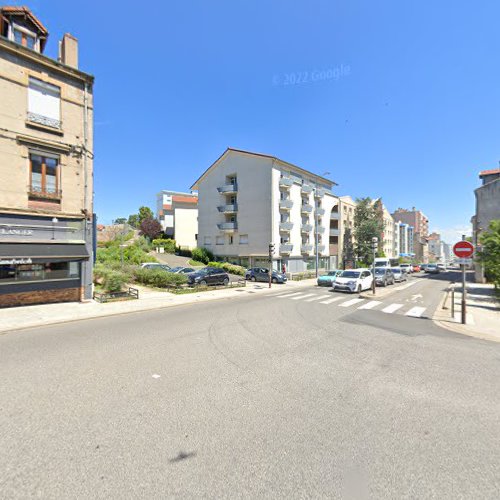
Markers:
point(399, 274)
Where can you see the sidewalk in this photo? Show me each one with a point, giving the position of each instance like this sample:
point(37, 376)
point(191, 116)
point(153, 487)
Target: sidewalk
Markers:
point(483, 312)
point(16, 318)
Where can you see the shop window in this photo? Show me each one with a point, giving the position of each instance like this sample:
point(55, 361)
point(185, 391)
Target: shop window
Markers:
point(44, 177)
point(49, 271)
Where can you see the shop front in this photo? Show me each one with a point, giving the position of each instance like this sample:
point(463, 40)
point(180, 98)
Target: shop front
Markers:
point(41, 260)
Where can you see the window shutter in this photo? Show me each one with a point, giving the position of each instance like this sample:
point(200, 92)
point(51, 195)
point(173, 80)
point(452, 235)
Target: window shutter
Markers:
point(44, 99)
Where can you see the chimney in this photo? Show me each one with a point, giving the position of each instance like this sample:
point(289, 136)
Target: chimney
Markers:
point(68, 51)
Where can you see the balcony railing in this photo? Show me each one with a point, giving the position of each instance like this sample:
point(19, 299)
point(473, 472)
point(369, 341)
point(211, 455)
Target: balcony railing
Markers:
point(228, 226)
point(321, 248)
point(286, 204)
point(44, 120)
point(286, 182)
point(34, 192)
point(228, 188)
point(286, 226)
point(228, 209)
point(286, 248)
point(306, 228)
point(306, 189)
point(335, 216)
point(319, 193)
point(320, 229)
point(306, 248)
point(320, 211)
point(334, 232)
point(306, 209)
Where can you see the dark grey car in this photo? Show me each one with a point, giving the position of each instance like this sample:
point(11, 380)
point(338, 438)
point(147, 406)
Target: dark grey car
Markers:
point(208, 276)
point(262, 274)
point(384, 276)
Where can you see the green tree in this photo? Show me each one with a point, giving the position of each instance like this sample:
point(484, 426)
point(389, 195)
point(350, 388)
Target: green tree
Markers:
point(145, 213)
point(133, 220)
point(490, 253)
point(347, 247)
point(120, 220)
point(367, 224)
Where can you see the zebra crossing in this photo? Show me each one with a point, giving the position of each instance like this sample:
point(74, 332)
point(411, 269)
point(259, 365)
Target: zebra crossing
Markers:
point(354, 303)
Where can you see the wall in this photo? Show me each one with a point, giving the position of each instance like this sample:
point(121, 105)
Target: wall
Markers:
point(186, 227)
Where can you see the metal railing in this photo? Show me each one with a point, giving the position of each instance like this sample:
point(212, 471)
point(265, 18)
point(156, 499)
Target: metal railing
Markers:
point(286, 204)
point(286, 226)
point(228, 188)
point(228, 208)
point(44, 120)
point(227, 226)
point(286, 182)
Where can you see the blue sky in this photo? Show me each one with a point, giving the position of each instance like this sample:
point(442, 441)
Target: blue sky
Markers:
point(395, 99)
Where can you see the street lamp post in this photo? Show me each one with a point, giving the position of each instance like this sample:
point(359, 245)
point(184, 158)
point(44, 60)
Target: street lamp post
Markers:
point(374, 249)
point(316, 237)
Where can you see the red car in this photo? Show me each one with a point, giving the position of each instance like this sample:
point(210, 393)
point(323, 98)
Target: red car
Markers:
point(416, 268)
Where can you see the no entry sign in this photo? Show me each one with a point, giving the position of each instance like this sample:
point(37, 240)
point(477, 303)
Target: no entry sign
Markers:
point(463, 249)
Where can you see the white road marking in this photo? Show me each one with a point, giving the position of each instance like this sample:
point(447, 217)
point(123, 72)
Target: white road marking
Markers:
point(302, 296)
point(417, 296)
point(318, 297)
point(288, 295)
point(351, 302)
point(155, 375)
point(407, 285)
point(370, 305)
point(415, 312)
point(329, 301)
point(393, 307)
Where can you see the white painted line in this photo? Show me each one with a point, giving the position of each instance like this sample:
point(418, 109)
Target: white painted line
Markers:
point(407, 285)
point(318, 297)
point(393, 307)
point(415, 312)
point(370, 305)
point(351, 302)
point(329, 301)
point(302, 296)
point(287, 295)
point(155, 375)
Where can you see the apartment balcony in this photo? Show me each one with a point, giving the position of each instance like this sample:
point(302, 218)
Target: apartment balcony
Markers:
point(334, 232)
point(228, 209)
point(228, 188)
point(228, 226)
point(286, 226)
point(306, 208)
point(334, 249)
point(335, 216)
point(319, 193)
point(286, 204)
point(43, 120)
point(286, 182)
point(306, 249)
point(320, 211)
point(286, 248)
point(306, 228)
point(321, 248)
point(306, 189)
point(320, 229)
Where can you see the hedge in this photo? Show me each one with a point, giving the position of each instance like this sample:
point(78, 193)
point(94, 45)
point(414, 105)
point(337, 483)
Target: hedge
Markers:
point(202, 255)
point(167, 244)
point(159, 278)
point(230, 268)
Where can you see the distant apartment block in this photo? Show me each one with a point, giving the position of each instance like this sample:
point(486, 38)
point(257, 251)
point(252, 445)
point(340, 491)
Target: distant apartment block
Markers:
point(403, 240)
point(387, 244)
point(487, 209)
point(420, 224)
point(247, 200)
point(436, 248)
point(178, 216)
point(46, 166)
point(346, 210)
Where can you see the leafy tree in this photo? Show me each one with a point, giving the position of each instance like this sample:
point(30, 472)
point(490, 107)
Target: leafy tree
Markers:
point(145, 213)
point(367, 224)
point(120, 220)
point(150, 228)
point(133, 220)
point(347, 247)
point(490, 253)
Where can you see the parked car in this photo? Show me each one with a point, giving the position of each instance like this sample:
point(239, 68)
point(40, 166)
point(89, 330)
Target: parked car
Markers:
point(208, 276)
point(182, 270)
point(406, 267)
point(442, 267)
point(262, 274)
point(416, 268)
point(156, 266)
point(329, 278)
point(383, 276)
point(354, 280)
point(432, 269)
point(399, 274)
point(423, 266)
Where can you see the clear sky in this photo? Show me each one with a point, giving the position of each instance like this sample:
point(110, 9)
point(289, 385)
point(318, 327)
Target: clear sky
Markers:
point(395, 99)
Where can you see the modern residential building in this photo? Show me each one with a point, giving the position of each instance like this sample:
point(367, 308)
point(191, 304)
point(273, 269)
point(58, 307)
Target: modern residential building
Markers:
point(487, 209)
point(178, 216)
point(420, 224)
point(46, 167)
point(248, 200)
point(386, 240)
point(346, 210)
point(436, 248)
point(403, 240)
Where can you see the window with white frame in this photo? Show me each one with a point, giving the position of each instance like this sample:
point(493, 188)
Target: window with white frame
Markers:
point(243, 239)
point(44, 103)
point(24, 37)
point(207, 240)
point(219, 240)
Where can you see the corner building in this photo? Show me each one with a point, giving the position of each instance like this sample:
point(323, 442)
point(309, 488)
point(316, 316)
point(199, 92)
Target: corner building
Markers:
point(247, 200)
point(46, 167)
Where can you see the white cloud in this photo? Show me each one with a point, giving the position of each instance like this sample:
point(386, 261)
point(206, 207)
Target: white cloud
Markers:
point(453, 234)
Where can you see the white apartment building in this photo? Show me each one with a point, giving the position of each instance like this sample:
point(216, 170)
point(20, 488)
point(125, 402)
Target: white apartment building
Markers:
point(403, 240)
point(248, 200)
point(178, 216)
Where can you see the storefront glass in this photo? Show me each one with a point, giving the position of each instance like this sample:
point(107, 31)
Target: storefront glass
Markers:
point(48, 271)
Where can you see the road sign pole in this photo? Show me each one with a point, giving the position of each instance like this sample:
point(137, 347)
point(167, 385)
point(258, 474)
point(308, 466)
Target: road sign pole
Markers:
point(464, 301)
point(463, 250)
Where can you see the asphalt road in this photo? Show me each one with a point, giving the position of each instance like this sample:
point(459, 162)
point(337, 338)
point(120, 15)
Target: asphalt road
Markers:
point(258, 396)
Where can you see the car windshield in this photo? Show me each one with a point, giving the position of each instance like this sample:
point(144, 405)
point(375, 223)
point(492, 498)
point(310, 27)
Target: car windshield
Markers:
point(395, 269)
point(350, 274)
point(380, 271)
point(175, 269)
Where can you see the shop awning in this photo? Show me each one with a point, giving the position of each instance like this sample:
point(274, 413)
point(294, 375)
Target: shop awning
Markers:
point(39, 252)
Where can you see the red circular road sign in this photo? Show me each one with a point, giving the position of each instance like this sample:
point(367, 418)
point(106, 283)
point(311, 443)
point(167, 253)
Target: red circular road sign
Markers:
point(463, 249)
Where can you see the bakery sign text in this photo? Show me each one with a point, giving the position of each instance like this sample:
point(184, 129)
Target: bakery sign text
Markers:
point(15, 232)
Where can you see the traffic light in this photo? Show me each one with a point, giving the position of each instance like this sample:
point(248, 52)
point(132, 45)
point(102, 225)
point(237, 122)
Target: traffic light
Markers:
point(271, 249)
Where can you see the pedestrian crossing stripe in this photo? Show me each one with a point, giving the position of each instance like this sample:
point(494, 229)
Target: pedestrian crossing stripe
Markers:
point(370, 305)
point(392, 308)
point(415, 312)
point(351, 302)
point(303, 296)
point(330, 301)
point(318, 297)
point(286, 295)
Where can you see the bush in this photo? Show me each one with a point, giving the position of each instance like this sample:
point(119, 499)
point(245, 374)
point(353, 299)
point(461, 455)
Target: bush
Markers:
point(167, 244)
point(202, 255)
point(159, 278)
point(230, 268)
point(113, 281)
point(132, 254)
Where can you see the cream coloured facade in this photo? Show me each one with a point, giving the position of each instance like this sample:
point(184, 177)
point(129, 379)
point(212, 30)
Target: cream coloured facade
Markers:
point(46, 144)
point(388, 232)
point(347, 208)
point(247, 201)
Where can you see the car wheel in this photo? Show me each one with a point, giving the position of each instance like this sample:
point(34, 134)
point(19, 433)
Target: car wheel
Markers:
point(226, 281)
point(360, 289)
point(274, 280)
point(253, 278)
point(203, 283)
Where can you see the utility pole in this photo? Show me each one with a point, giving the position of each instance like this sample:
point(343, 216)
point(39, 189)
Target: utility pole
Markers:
point(271, 253)
point(374, 249)
point(464, 292)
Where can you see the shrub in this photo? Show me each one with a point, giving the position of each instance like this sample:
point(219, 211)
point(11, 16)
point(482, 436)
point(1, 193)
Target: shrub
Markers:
point(168, 245)
point(230, 268)
point(113, 281)
point(159, 278)
point(202, 255)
